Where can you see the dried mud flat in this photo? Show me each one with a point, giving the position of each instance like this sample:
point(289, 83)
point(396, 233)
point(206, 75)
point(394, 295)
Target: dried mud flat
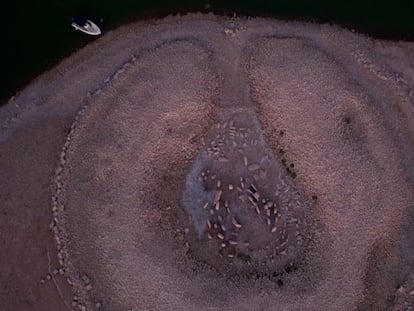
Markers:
point(206, 163)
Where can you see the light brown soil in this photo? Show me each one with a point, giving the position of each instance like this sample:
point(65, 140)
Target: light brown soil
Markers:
point(335, 108)
point(28, 257)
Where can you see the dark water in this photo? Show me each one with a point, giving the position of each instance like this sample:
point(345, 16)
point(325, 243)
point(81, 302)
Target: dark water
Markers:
point(35, 35)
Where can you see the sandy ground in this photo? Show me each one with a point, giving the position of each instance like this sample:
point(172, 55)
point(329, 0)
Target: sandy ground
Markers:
point(95, 154)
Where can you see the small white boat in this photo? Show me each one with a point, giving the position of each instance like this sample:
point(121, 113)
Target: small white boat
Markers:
point(86, 26)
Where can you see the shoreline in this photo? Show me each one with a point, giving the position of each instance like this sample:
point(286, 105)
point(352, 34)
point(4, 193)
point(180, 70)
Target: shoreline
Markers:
point(376, 31)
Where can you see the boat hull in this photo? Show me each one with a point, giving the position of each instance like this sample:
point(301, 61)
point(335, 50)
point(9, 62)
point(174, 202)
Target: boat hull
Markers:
point(89, 28)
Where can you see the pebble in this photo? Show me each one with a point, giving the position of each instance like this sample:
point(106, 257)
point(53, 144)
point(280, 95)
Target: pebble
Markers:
point(252, 200)
point(235, 223)
point(217, 196)
point(253, 167)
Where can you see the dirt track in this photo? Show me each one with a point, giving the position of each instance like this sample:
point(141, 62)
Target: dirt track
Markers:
point(123, 121)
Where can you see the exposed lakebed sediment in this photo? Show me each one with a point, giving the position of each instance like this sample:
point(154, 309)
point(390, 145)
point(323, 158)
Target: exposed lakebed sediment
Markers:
point(223, 163)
